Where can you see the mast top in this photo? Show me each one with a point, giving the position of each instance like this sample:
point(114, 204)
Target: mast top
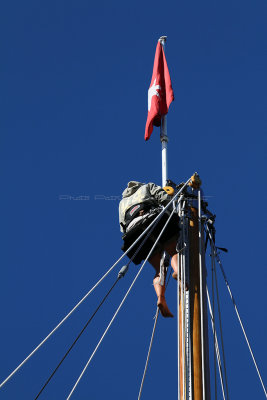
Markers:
point(163, 40)
point(195, 181)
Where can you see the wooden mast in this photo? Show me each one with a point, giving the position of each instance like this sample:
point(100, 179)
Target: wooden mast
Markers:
point(195, 358)
point(195, 306)
point(196, 390)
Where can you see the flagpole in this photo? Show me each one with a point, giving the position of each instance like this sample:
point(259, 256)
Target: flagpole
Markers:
point(163, 133)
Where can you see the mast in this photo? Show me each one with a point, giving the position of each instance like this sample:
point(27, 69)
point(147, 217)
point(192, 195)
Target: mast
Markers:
point(192, 325)
point(192, 329)
point(198, 306)
point(163, 132)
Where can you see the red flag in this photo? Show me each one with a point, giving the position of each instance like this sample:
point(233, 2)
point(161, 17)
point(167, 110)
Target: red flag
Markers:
point(160, 93)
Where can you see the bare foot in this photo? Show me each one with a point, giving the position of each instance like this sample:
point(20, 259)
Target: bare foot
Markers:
point(164, 310)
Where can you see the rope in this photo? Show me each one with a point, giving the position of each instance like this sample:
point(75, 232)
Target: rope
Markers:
point(221, 332)
point(217, 346)
point(145, 239)
point(56, 328)
point(92, 289)
point(154, 224)
point(73, 344)
point(183, 322)
point(238, 316)
point(148, 354)
point(118, 309)
point(150, 346)
point(201, 294)
point(76, 340)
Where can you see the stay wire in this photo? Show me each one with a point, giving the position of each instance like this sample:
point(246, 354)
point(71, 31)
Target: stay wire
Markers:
point(221, 331)
point(213, 255)
point(217, 344)
point(144, 240)
point(77, 338)
point(118, 309)
point(157, 220)
point(150, 346)
point(92, 289)
point(238, 316)
point(148, 354)
point(136, 252)
point(90, 319)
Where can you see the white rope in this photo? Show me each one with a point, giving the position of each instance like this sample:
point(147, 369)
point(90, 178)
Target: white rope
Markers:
point(201, 295)
point(216, 344)
point(181, 303)
point(59, 324)
point(118, 309)
point(92, 289)
point(220, 319)
point(148, 354)
point(150, 347)
point(238, 316)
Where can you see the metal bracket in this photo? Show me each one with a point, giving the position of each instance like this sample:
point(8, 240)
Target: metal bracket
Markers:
point(123, 271)
point(164, 263)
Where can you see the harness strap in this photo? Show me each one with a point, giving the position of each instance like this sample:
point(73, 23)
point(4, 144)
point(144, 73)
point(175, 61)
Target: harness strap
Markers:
point(134, 212)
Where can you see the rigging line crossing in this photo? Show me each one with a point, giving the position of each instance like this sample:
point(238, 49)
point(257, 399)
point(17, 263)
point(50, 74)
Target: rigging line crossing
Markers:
point(77, 338)
point(157, 312)
point(237, 313)
point(217, 345)
point(221, 331)
point(120, 275)
point(57, 326)
point(150, 345)
point(92, 289)
point(118, 309)
point(146, 237)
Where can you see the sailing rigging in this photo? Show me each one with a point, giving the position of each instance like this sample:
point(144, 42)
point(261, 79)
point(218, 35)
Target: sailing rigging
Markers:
point(197, 226)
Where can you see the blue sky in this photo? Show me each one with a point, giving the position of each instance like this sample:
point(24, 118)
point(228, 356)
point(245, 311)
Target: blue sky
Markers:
point(74, 102)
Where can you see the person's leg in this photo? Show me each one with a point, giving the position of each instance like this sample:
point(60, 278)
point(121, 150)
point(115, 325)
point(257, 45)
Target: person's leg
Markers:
point(170, 248)
point(159, 289)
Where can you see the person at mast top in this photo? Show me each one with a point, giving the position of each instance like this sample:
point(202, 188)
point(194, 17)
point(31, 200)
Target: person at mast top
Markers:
point(140, 205)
